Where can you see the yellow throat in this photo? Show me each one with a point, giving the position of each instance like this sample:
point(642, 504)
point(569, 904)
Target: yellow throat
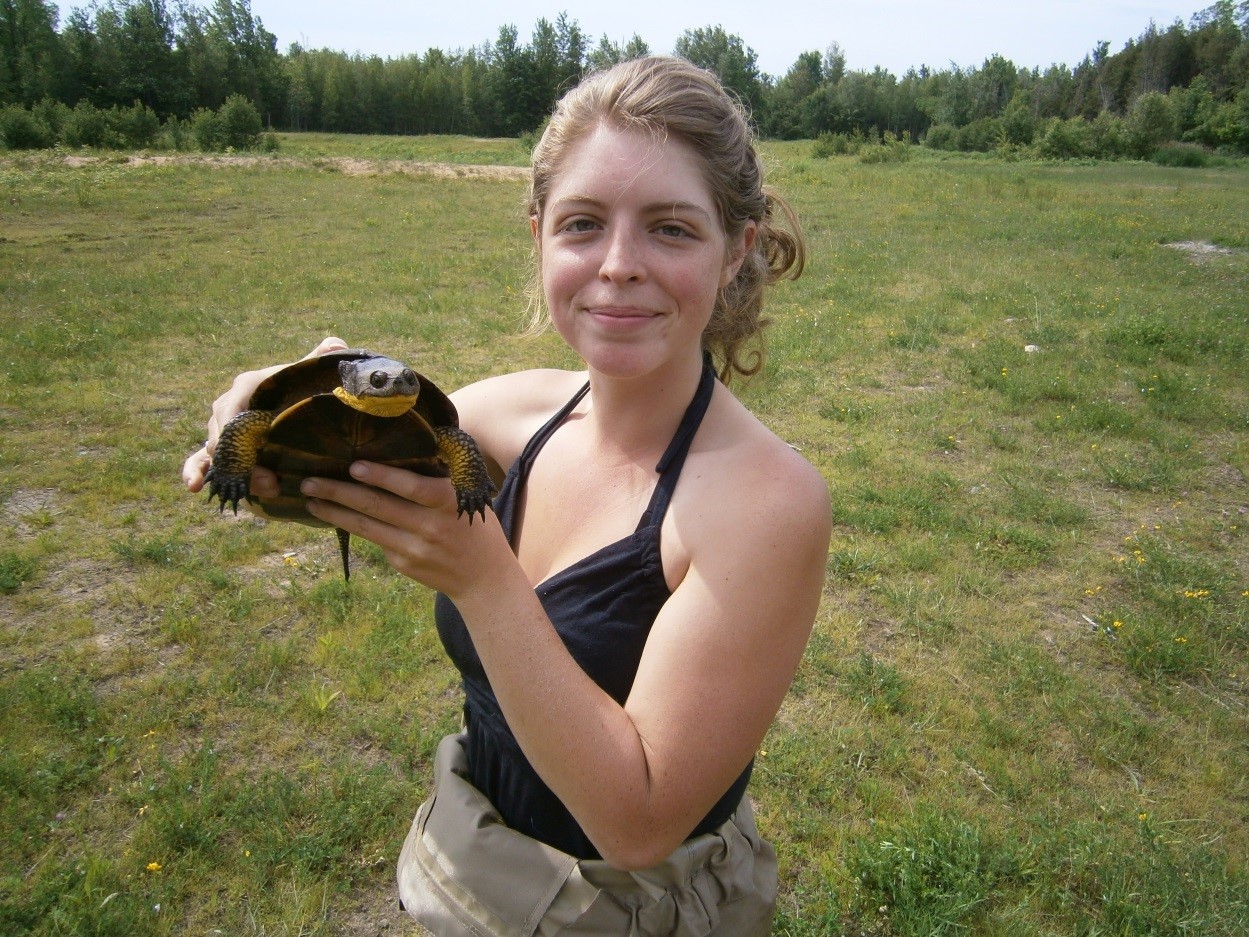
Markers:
point(377, 406)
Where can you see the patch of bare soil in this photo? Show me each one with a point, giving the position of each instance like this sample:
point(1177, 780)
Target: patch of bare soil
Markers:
point(350, 166)
point(1201, 251)
point(26, 503)
point(377, 913)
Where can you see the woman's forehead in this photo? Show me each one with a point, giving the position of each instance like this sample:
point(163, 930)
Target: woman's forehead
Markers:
point(614, 162)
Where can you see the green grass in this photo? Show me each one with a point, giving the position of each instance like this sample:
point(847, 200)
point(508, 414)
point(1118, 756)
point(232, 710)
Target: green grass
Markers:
point(1024, 706)
point(444, 149)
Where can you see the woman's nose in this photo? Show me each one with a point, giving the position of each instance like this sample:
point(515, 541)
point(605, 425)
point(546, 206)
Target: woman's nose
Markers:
point(623, 261)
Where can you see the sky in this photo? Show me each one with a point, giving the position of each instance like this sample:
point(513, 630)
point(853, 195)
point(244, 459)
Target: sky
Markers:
point(894, 34)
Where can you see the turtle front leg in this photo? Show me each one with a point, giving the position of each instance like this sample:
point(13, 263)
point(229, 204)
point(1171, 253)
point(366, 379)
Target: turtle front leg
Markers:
point(473, 487)
point(232, 465)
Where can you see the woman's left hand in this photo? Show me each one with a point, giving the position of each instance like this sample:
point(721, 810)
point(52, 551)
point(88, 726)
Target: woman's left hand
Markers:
point(413, 519)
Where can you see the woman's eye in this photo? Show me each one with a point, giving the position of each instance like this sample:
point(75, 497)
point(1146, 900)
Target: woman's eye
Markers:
point(673, 231)
point(579, 226)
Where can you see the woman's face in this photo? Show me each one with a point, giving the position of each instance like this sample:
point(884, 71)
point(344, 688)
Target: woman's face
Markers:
point(633, 251)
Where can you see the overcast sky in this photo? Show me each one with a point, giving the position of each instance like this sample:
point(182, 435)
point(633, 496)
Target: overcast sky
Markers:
point(895, 34)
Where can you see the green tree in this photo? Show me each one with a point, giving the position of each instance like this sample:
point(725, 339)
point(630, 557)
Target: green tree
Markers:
point(991, 87)
point(571, 48)
point(511, 87)
point(201, 60)
point(608, 53)
point(137, 55)
point(29, 51)
point(248, 54)
point(731, 59)
point(79, 78)
point(787, 110)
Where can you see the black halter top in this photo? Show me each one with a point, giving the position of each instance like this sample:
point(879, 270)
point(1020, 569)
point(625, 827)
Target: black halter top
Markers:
point(602, 607)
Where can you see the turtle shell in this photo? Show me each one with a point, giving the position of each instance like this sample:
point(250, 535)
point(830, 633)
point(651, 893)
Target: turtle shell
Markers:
point(316, 434)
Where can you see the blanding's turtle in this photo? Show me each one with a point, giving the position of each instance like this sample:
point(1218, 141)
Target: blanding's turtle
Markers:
point(317, 416)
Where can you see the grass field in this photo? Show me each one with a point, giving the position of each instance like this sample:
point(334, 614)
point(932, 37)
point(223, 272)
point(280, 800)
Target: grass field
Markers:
point(1025, 707)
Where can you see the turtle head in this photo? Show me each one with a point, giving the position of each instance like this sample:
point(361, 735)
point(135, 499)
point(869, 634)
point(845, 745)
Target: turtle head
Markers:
point(380, 386)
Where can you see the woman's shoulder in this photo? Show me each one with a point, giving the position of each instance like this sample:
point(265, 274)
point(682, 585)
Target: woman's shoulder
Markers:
point(755, 477)
point(754, 452)
point(503, 412)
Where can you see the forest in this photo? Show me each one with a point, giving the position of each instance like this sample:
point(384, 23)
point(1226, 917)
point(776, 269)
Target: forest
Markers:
point(150, 72)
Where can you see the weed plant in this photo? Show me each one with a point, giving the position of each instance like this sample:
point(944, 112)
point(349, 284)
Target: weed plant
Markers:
point(1024, 705)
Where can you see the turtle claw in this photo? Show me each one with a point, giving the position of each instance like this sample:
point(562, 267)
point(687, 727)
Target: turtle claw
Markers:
point(473, 502)
point(227, 488)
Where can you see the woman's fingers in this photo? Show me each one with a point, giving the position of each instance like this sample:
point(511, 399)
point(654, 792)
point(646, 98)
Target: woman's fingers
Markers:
point(428, 491)
point(328, 344)
point(383, 492)
point(413, 519)
point(195, 468)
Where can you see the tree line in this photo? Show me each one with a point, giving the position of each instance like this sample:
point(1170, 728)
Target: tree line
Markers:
point(171, 61)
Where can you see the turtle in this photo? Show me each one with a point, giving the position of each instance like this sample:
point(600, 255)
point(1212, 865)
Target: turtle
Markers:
point(317, 416)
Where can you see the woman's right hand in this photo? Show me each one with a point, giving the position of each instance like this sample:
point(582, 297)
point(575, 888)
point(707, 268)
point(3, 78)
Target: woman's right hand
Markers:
point(225, 408)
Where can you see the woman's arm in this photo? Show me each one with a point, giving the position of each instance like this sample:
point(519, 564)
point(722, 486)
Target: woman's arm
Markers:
point(715, 669)
point(716, 666)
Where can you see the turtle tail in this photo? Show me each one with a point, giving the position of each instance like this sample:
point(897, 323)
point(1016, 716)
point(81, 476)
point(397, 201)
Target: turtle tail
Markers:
point(344, 538)
point(469, 475)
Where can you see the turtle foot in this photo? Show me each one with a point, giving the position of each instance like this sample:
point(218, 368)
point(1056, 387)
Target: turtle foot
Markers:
point(227, 488)
point(474, 501)
point(473, 487)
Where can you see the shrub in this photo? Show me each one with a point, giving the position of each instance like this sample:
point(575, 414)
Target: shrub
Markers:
point(891, 149)
point(22, 130)
point(206, 129)
point(175, 134)
point(1109, 137)
point(1018, 126)
point(86, 125)
point(1150, 123)
point(134, 127)
point(837, 144)
point(1067, 139)
point(52, 113)
point(235, 125)
point(941, 137)
point(1185, 155)
point(117, 128)
point(240, 122)
point(980, 136)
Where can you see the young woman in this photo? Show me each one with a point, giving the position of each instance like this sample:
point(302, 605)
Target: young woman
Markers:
point(629, 620)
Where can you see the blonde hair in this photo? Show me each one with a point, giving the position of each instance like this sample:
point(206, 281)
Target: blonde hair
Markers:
point(672, 98)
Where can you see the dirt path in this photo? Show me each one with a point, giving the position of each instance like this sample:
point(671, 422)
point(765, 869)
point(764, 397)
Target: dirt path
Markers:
point(348, 165)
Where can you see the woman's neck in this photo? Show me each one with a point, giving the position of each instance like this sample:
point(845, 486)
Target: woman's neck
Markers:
point(636, 418)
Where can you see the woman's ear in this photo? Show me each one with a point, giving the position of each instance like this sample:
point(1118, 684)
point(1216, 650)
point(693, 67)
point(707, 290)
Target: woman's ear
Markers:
point(744, 245)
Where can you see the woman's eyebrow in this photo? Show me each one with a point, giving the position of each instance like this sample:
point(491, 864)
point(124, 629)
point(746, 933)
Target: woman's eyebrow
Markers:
point(661, 206)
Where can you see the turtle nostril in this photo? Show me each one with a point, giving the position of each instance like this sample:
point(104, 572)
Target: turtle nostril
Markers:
point(378, 379)
point(409, 377)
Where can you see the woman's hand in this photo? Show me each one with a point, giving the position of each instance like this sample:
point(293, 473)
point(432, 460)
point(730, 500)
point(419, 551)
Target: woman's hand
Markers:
point(231, 403)
point(413, 518)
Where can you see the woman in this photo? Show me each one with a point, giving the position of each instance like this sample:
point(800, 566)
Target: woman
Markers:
point(619, 673)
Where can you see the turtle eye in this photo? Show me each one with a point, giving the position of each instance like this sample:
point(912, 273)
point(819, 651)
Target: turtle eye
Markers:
point(378, 379)
point(409, 377)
